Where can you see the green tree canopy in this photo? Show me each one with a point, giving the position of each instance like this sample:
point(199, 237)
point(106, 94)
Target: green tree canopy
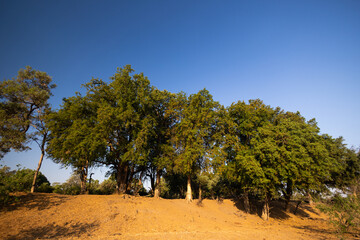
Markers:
point(21, 99)
point(73, 139)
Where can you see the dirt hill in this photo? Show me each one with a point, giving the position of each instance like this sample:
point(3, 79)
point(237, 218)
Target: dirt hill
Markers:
point(52, 216)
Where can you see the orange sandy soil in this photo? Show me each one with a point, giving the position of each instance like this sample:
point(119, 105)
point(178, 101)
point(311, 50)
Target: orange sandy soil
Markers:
point(53, 216)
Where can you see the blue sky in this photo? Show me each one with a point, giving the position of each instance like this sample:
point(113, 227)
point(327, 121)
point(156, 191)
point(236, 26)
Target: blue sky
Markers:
point(298, 55)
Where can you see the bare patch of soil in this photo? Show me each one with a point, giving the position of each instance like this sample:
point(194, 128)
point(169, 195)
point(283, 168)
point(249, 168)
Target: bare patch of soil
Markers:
point(53, 216)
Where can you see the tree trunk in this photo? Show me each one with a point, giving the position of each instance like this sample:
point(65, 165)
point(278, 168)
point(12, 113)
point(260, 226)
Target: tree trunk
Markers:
point(121, 178)
point(42, 148)
point(200, 193)
point(288, 194)
point(246, 202)
point(83, 178)
point(310, 199)
point(152, 182)
point(157, 186)
point(287, 201)
point(118, 178)
point(90, 182)
point(297, 206)
point(355, 189)
point(37, 171)
point(129, 179)
point(266, 209)
point(189, 193)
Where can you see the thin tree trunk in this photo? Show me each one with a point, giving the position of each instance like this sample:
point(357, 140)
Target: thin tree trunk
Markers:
point(297, 206)
point(157, 186)
point(118, 178)
point(152, 182)
point(266, 209)
point(355, 189)
point(200, 193)
point(83, 177)
point(246, 202)
point(311, 203)
point(42, 148)
point(189, 193)
point(37, 171)
point(89, 190)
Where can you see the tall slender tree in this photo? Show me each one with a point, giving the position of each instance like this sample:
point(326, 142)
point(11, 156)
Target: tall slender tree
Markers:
point(158, 148)
point(40, 136)
point(23, 108)
point(73, 140)
point(21, 101)
point(193, 137)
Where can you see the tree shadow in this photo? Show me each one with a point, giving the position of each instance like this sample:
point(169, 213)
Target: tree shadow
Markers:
point(308, 208)
point(255, 206)
point(295, 207)
point(313, 229)
point(52, 231)
point(277, 208)
point(38, 201)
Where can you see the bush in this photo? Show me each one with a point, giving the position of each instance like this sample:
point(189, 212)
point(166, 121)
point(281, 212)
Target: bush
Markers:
point(108, 186)
point(5, 189)
point(20, 181)
point(344, 213)
point(45, 188)
point(70, 187)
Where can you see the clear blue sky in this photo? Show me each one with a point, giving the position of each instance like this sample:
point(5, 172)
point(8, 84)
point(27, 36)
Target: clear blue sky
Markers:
point(298, 55)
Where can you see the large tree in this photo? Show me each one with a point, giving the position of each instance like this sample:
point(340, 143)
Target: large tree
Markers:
point(241, 168)
point(122, 110)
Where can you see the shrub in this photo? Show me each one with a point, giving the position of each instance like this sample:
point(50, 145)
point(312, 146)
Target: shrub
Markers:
point(70, 187)
point(20, 181)
point(344, 213)
point(108, 186)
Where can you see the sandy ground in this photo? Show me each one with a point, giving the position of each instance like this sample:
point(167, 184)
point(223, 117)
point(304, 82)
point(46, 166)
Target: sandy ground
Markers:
point(52, 216)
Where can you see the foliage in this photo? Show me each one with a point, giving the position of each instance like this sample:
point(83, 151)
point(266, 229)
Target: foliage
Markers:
point(22, 100)
point(249, 150)
point(21, 181)
point(173, 185)
point(73, 141)
point(209, 183)
point(121, 121)
point(108, 186)
point(5, 185)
